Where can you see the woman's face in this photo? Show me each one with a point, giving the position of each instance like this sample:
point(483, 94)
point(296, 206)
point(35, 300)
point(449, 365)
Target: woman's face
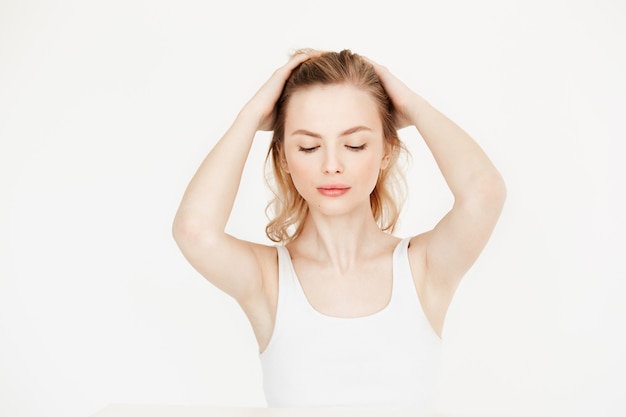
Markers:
point(334, 147)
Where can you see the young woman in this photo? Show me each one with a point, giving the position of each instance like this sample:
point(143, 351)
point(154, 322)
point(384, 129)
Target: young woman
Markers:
point(345, 313)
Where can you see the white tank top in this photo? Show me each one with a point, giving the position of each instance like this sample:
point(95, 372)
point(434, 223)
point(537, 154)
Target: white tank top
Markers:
point(386, 360)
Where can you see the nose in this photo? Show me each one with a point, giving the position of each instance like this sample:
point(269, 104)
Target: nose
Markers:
point(332, 162)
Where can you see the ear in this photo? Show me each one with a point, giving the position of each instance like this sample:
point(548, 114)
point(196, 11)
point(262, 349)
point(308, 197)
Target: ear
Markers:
point(279, 154)
point(384, 163)
point(283, 161)
point(283, 164)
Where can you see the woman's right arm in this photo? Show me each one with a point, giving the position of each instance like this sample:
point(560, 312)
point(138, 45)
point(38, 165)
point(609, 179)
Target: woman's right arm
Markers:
point(199, 226)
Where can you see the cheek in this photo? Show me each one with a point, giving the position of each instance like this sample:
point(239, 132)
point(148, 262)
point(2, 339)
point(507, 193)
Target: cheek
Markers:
point(371, 166)
point(298, 171)
point(289, 164)
point(290, 160)
point(372, 172)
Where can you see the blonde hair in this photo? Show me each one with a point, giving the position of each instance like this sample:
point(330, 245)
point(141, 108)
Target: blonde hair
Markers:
point(288, 208)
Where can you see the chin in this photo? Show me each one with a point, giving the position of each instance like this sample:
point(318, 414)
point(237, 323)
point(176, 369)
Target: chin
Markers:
point(335, 208)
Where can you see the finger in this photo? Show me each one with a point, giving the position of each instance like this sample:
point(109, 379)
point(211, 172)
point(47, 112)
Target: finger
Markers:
point(381, 71)
point(370, 60)
point(300, 57)
point(376, 65)
point(281, 74)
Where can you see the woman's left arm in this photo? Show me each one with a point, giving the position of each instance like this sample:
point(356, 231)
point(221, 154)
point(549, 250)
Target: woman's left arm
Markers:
point(451, 248)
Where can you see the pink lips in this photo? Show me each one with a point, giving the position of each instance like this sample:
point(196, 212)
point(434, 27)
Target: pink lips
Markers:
point(333, 190)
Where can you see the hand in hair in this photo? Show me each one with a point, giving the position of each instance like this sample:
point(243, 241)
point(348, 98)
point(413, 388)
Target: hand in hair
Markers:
point(403, 98)
point(261, 106)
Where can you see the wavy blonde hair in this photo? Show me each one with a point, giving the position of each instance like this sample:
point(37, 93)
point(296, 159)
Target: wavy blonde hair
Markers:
point(288, 210)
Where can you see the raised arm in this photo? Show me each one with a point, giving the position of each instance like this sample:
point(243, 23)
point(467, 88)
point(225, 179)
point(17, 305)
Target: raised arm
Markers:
point(449, 250)
point(231, 264)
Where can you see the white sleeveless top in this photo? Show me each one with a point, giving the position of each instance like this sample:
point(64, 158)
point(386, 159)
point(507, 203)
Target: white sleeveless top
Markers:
point(387, 360)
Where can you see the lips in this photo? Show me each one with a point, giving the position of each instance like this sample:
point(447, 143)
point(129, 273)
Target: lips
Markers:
point(333, 190)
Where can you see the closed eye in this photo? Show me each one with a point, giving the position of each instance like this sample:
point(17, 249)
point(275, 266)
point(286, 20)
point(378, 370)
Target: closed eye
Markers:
point(356, 148)
point(307, 150)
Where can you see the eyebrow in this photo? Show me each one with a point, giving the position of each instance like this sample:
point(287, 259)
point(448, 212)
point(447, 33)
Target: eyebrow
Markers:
point(344, 133)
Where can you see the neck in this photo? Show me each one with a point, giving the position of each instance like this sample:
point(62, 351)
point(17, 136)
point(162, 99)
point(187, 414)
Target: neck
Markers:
point(339, 241)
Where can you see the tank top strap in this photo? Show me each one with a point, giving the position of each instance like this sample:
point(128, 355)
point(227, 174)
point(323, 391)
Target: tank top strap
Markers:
point(405, 295)
point(404, 291)
point(290, 293)
point(385, 360)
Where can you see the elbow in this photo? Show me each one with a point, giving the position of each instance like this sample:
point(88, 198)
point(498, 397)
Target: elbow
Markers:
point(182, 229)
point(495, 189)
point(493, 192)
point(192, 232)
point(186, 230)
point(178, 228)
point(487, 194)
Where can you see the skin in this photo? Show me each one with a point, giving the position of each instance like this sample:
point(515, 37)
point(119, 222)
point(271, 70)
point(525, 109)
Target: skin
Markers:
point(334, 137)
point(342, 258)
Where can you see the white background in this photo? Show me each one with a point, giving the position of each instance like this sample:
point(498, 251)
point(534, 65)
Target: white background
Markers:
point(107, 108)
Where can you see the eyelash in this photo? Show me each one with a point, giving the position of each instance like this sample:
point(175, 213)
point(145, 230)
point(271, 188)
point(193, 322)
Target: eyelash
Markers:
point(308, 150)
point(351, 148)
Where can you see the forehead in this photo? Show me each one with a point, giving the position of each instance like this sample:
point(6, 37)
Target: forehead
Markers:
point(330, 108)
